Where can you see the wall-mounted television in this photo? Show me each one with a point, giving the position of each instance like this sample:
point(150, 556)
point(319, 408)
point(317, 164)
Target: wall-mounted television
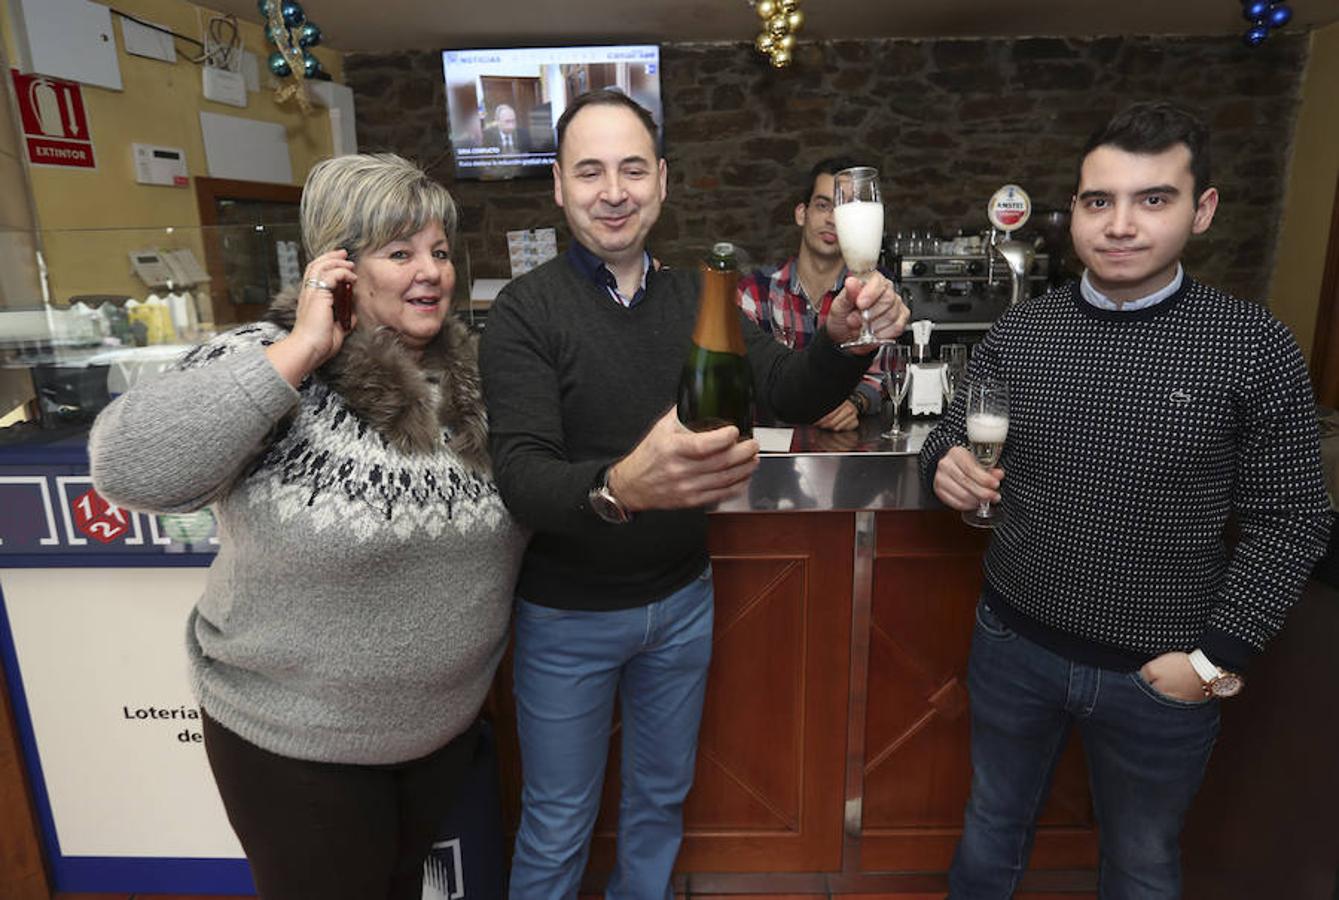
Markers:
point(503, 105)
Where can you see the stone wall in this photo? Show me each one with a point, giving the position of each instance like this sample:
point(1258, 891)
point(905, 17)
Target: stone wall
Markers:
point(947, 121)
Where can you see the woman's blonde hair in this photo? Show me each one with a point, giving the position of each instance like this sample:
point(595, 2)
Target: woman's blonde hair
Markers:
point(364, 201)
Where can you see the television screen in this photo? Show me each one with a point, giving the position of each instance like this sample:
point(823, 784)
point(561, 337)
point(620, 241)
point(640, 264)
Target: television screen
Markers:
point(503, 105)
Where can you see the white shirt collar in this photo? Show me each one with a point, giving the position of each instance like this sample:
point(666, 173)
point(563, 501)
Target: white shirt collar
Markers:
point(1101, 301)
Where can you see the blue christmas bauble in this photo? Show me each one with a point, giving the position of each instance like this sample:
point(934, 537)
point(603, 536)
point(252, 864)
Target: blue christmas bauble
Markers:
point(1254, 37)
point(309, 35)
point(272, 34)
point(310, 64)
point(279, 66)
point(1255, 10)
point(264, 7)
point(1279, 15)
point(293, 14)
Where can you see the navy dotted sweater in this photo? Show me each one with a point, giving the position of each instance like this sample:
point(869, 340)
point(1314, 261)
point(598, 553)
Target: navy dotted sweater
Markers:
point(1133, 437)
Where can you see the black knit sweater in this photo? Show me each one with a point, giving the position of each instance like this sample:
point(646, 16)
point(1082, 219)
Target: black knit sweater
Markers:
point(572, 381)
point(1133, 436)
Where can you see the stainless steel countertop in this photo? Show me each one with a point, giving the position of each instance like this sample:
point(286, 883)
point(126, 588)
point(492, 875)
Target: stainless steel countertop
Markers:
point(828, 471)
point(823, 471)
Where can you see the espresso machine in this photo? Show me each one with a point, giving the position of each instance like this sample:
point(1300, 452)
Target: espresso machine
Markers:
point(966, 280)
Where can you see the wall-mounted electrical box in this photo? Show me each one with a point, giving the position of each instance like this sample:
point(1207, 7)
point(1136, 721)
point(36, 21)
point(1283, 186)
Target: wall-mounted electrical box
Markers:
point(160, 165)
point(338, 99)
point(69, 39)
point(223, 86)
point(152, 43)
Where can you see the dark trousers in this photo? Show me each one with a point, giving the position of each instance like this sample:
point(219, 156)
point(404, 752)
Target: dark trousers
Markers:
point(1146, 758)
point(324, 831)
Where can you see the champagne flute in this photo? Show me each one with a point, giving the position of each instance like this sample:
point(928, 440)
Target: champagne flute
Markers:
point(895, 379)
point(857, 209)
point(987, 412)
point(954, 357)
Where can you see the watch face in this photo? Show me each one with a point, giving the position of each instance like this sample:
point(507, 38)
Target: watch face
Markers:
point(607, 508)
point(1227, 685)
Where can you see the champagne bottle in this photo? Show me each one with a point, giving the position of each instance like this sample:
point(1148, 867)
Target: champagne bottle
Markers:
point(716, 387)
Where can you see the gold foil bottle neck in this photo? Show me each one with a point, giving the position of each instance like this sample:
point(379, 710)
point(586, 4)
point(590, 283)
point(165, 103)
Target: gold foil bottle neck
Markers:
point(717, 327)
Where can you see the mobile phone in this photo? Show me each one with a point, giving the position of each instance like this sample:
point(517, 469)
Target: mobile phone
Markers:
point(343, 292)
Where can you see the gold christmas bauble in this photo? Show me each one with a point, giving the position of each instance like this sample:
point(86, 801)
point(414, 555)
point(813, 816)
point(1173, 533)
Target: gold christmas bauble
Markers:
point(794, 20)
point(777, 25)
point(786, 42)
point(764, 43)
point(766, 9)
point(780, 58)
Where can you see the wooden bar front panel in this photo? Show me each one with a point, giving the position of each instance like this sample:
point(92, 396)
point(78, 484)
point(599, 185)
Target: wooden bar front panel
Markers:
point(927, 576)
point(767, 795)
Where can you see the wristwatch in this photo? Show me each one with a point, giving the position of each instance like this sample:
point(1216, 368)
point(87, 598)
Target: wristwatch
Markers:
point(860, 402)
point(1217, 682)
point(605, 504)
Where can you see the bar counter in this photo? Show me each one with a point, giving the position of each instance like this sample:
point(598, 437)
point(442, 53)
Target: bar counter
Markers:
point(833, 755)
point(833, 752)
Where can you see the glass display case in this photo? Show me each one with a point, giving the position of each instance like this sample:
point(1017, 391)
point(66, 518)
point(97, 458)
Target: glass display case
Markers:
point(85, 314)
point(102, 308)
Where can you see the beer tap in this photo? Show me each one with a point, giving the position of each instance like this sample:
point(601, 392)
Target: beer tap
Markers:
point(1009, 210)
point(1017, 256)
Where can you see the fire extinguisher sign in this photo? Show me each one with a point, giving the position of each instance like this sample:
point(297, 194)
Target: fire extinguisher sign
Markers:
point(55, 126)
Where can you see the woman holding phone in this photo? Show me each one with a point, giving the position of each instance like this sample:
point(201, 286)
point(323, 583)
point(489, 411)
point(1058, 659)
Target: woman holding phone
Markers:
point(358, 605)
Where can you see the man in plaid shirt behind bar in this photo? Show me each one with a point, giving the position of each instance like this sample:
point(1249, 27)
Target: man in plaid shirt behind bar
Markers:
point(791, 300)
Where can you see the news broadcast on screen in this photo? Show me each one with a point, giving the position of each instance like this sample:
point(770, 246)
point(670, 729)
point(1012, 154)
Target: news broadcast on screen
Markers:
point(503, 105)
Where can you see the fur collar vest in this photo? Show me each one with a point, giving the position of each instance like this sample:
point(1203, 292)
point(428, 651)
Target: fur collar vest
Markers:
point(408, 401)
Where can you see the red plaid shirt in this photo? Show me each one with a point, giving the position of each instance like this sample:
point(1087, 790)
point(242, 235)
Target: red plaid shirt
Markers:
point(775, 298)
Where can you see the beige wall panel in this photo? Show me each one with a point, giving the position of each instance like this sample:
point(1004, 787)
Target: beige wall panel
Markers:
point(1294, 295)
point(14, 209)
point(20, 287)
point(91, 219)
point(9, 130)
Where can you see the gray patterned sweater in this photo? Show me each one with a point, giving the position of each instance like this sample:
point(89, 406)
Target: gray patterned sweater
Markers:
point(1133, 436)
point(359, 602)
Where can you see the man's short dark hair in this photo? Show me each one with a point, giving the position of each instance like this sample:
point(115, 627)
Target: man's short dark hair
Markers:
point(1153, 127)
point(605, 97)
point(830, 166)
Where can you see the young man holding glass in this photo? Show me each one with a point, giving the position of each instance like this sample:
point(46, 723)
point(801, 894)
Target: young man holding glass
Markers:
point(1145, 409)
point(791, 300)
point(580, 365)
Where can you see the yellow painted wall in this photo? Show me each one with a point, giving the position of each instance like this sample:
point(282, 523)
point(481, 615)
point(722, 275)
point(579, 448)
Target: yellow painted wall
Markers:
point(1295, 292)
point(19, 284)
point(160, 104)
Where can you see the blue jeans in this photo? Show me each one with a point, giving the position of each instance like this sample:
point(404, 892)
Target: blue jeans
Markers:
point(1146, 758)
point(568, 667)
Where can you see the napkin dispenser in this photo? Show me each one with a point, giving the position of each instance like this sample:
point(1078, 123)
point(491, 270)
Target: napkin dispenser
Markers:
point(928, 381)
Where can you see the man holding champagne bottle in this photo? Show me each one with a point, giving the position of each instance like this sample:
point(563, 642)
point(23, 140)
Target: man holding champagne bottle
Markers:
point(1144, 408)
point(581, 362)
point(791, 300)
